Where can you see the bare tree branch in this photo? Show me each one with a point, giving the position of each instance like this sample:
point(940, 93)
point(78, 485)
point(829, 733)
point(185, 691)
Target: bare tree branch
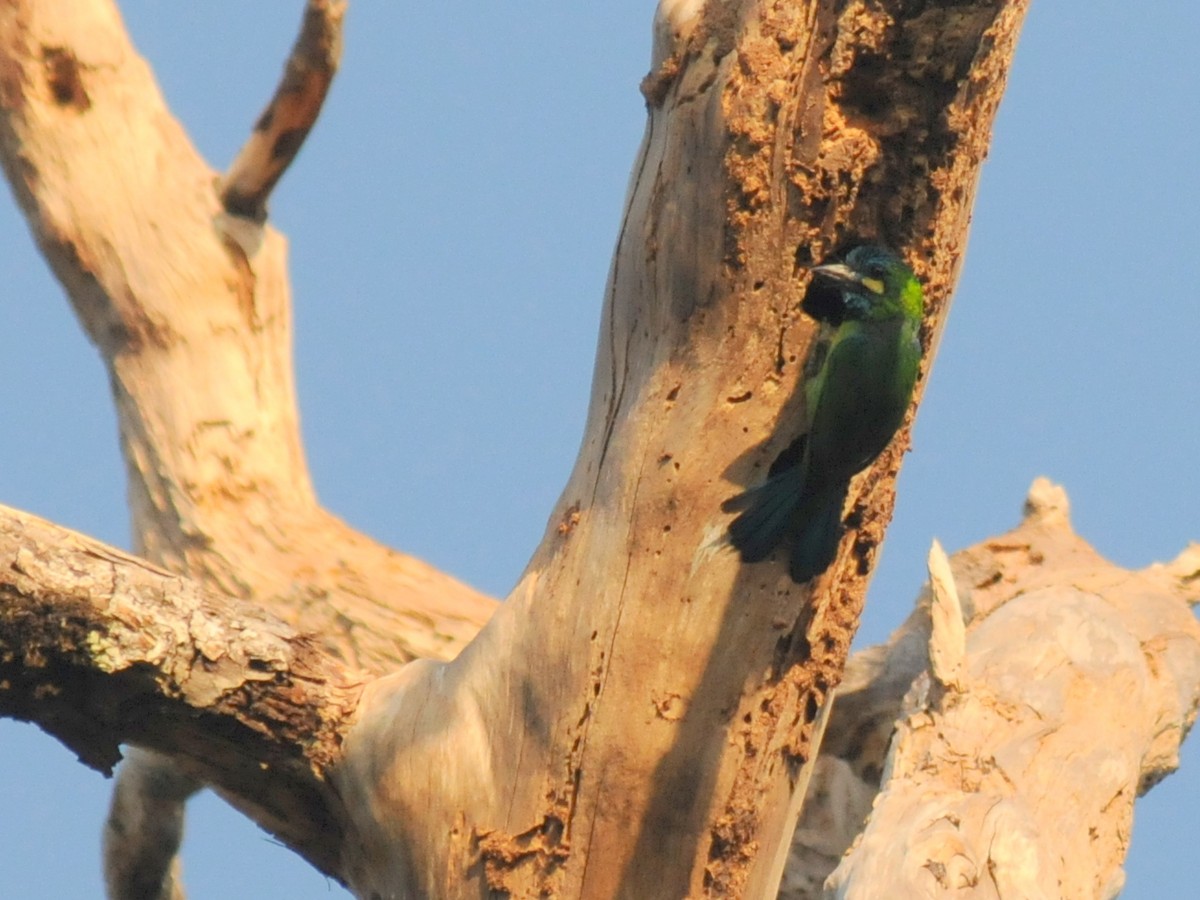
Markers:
point(285, 123)
point(1077, 693)
point(98, 648)
point(190, 309)
point(144, 828)
point(192, 315)
point(635, 659)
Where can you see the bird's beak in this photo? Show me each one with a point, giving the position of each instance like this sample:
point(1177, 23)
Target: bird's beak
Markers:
point(838, 272)
point(843, 274)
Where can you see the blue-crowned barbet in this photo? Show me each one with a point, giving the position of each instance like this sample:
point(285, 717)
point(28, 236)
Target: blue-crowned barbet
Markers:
point(859, 380)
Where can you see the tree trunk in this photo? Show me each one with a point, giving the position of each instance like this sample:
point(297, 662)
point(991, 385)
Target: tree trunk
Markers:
point(641, 717)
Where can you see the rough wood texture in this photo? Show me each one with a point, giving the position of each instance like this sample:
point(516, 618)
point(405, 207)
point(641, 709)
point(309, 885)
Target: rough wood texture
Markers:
point(640, 711)
point(185, 294)
point(100, 648)
point(639, 719)
point(190, 309)
point(1078, 681)
point(284, 124)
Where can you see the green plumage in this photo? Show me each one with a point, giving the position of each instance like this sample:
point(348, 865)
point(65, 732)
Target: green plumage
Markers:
point(858, 383)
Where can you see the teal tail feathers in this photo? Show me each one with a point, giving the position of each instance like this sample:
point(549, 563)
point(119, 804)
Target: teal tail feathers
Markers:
point(767, 513)
point(781, 507)
point(819, 533)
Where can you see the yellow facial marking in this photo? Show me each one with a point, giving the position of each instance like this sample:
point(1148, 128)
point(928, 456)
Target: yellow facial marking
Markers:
point(874, 285)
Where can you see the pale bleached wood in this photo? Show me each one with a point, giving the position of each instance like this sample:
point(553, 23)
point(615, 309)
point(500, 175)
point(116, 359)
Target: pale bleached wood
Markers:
point(190, 308)
point(636, 719)
point(144, 828)
point(184, 291)
point(1077, 693)
point(1079, 682)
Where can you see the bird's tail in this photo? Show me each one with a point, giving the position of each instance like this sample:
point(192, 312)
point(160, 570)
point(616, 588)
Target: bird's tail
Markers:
point(818, 533)
point(768, 511)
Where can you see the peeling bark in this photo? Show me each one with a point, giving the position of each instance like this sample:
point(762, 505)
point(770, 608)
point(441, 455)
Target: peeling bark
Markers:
point(99, 648)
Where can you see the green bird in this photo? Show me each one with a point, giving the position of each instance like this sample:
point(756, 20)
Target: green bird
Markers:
point(858, 382)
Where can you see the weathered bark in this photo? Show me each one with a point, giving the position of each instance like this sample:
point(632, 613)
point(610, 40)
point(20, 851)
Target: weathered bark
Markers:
point(639, 718)
point(1016, 755)
point(640, 711)
point(99, 647)
point(185, 294)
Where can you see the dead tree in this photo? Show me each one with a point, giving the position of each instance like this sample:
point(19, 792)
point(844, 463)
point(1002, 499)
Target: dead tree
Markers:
point(641, 716)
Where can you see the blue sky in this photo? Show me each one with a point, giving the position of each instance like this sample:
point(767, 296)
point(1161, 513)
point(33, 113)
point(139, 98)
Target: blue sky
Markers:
point(451, 221)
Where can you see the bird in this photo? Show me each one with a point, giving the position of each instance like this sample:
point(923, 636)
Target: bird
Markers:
point(858, 381)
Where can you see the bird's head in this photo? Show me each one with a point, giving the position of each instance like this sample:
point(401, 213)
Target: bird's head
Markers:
point(875, 283)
